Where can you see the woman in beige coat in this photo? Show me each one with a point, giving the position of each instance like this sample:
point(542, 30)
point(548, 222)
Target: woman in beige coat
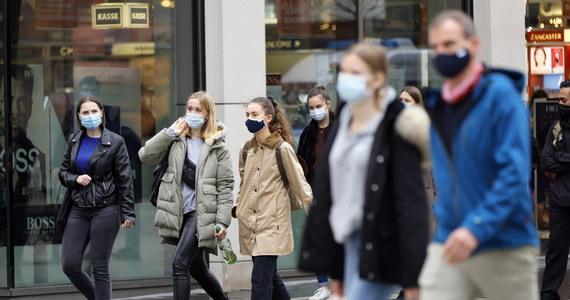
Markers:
point(263, 206)
point(195, 193)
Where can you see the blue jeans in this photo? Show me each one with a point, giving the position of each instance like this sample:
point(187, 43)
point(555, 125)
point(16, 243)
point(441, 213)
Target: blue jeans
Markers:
point(98, 228)
point(322, 279)
point(356, 287)
point(265, 282)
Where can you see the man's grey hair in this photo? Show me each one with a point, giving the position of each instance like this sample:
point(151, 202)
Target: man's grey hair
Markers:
point(461, 18)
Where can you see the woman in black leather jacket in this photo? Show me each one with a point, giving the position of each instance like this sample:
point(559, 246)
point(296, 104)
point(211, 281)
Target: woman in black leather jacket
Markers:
point(97, 174)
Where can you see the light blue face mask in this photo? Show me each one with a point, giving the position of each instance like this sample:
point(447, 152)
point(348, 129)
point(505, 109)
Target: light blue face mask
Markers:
point(195, 121)
point(352, 88)
point(91, 121)
point(318, 114)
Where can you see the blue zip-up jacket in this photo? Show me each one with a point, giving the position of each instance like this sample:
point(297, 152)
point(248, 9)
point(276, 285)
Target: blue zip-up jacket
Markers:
point(482, 172)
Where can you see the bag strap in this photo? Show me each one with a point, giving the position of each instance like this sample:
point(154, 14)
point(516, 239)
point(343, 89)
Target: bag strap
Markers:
point(244, 151)
point(280, 165)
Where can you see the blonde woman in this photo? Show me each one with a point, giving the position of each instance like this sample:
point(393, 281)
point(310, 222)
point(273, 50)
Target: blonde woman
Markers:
point(195, 194)
point(368, 227)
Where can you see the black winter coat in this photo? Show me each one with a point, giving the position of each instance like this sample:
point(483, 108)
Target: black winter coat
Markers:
point(110, 173)
point(307, 143)
point(394, 232)
point(556, 159)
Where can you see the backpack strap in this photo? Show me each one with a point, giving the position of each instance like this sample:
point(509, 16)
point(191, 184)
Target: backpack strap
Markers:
point(280, 165)
point(244, 151)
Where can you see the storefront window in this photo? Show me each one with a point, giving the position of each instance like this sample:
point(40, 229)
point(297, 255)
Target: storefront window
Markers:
point(64, 49)
point(547, 24)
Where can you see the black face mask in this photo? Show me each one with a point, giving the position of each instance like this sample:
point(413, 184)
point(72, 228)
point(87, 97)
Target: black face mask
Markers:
point(564, 111)
point(450, 65)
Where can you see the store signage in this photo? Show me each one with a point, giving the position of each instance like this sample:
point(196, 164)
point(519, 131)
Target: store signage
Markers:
point(107, 15)
point(545, 36)
point(285, 44)
point(120, 15)
point(294, 17)
point(137, 15)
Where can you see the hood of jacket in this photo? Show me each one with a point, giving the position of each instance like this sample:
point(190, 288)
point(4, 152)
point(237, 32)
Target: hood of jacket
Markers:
point(220, 134)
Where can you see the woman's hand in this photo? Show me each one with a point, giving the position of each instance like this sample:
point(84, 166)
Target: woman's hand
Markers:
point(178, 126)
point(220, 235)
point(127, 224)
point(83, 180)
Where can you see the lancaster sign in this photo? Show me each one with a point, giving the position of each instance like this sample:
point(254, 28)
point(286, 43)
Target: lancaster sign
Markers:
point(119, 15)
point(545, 36)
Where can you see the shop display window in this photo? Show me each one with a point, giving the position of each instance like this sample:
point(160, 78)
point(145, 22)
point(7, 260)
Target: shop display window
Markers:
point(121, 52)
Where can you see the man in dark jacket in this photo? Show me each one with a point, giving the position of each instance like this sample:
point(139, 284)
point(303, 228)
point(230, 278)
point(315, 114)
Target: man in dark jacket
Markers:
point(556, 159)
point(485, 240)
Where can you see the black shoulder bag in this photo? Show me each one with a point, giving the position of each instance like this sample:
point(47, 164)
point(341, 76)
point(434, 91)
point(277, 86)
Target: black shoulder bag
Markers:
point(157, 174)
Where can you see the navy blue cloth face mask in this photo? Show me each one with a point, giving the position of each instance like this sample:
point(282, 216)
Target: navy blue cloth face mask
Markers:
point(254, 125)
point(450, 65)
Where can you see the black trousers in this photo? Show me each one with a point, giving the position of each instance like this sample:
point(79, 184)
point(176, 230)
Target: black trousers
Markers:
point(98, 228)
point(557, 252)
point(189, 261)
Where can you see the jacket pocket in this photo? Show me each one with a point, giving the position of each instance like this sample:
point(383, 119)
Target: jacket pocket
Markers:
point(166, 189)
point(210, 198)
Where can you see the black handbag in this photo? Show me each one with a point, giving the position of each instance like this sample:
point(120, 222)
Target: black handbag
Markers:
point(189, 173)
point(157, 174)
point(62, 215)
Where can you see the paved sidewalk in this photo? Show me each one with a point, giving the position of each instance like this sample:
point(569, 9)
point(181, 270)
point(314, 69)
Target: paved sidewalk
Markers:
point(299, 289)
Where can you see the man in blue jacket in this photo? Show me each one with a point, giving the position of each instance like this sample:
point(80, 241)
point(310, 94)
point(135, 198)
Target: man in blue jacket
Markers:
point(556, 159)
point(485, 240)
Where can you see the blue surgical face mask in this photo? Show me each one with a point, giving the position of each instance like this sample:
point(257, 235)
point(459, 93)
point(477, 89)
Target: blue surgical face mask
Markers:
point(195, 121)
point(254, 125)
point(318, 114)
point(91, 121)
point(450, 65)
point(352, 88)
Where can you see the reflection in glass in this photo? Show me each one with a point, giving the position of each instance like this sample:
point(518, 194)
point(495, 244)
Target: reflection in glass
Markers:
point(57, 57)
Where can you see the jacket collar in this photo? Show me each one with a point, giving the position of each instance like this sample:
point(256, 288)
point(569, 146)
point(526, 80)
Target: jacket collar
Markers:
point(105, 136)
point(271, 141)
point(220, 135)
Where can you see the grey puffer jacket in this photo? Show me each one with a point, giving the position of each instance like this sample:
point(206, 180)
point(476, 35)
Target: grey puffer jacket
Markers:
point(214, 186)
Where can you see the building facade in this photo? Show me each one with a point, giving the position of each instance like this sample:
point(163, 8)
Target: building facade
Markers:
point(143, 59)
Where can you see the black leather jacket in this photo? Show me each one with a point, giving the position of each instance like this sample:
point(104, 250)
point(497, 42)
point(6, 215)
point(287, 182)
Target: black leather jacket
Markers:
point(110, 172)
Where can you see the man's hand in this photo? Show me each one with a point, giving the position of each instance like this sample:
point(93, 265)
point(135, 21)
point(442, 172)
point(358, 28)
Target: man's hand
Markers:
point(459, 245)
point(412, 293)
point(337, 287)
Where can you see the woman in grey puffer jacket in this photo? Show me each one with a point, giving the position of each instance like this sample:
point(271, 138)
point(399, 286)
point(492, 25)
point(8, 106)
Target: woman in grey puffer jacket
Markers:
point(190, 204)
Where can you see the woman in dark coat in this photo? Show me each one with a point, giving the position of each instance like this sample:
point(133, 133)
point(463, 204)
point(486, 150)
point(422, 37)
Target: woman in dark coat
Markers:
point(97, 174)
point(368, 226)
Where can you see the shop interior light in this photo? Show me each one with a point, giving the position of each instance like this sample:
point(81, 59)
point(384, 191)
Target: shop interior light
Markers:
point(167, 3)
point(529, 29)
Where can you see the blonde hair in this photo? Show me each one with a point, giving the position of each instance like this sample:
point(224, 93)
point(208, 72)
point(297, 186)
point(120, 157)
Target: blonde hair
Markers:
point(375, 58)
point(209, 128)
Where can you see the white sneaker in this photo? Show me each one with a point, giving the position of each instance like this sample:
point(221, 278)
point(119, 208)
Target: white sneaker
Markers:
point(321, 293)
